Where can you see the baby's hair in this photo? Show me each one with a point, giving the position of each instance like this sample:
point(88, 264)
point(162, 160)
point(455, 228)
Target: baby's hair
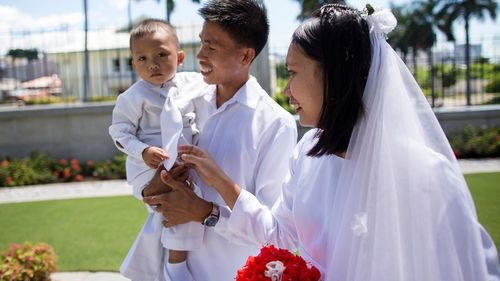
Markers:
point(150, 26)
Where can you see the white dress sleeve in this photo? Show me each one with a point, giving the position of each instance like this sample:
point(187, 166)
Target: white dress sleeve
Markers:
point(254, 222)
point(124, 125)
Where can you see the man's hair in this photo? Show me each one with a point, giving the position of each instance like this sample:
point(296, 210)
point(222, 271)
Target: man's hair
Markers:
point(337, 37)
point(245, 21)
point(150, 26)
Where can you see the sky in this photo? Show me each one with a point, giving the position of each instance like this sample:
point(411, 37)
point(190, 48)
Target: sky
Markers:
point(105, 14)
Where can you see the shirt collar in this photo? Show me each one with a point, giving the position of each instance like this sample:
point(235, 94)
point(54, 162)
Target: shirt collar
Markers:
point(163, 90)
point(246, 95)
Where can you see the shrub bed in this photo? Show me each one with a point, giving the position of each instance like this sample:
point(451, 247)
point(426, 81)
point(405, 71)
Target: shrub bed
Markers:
point(473, 142)
point(28, 262)
point(39, 169)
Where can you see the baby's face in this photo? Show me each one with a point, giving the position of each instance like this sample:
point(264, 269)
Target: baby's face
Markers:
point(155, 57)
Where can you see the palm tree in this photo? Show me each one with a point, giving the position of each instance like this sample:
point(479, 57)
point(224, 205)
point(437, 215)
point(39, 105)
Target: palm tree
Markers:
point(170, 5)
point(397, 38)
point(414, 30)
point(423, 24)
point(449, 11)
point(308, 6)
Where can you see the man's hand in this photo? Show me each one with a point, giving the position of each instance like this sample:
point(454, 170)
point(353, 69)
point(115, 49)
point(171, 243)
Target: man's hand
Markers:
point(180, 205)
point(153, 156)
point(205, 166)
point(156, 186)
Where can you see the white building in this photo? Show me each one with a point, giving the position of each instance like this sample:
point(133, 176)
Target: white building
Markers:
point(110, 72)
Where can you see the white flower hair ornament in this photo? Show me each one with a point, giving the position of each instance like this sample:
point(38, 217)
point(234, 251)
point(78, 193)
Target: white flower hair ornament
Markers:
point(381, 21)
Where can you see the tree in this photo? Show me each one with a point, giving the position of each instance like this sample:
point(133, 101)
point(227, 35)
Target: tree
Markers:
point(423, 25)
point(309, 6)
point(30, 54)
point(397, 38)
point(414, 31)
point(448, 11)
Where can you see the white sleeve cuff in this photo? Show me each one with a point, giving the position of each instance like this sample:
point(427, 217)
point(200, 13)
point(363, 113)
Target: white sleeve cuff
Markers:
point(233, 225)
point(135, 148)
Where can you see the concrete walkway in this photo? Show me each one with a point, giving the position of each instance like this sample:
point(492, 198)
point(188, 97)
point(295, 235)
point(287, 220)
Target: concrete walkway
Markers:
point(56, 191)
point(88, 276)
point(120, 188)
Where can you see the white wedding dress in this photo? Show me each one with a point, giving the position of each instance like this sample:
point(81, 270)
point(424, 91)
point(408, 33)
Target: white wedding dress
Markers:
point(397, 208)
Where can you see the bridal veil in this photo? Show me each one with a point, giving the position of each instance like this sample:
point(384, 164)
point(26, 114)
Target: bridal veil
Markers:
point(403, 210)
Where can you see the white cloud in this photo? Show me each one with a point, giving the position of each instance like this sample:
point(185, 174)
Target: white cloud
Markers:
point(118, 4)
point(13, 19)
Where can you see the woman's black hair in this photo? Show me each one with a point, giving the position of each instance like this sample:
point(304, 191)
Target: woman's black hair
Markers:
point(337, 36)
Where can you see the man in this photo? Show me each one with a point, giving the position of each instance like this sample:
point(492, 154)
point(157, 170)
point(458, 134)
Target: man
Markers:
point(241, 126)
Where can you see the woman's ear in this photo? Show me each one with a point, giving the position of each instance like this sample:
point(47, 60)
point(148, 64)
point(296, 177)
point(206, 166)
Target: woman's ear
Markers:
point(248, 56)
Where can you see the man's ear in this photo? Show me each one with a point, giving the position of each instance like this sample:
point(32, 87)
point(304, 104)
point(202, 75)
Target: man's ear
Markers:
point(248, 56)
point(180, 57)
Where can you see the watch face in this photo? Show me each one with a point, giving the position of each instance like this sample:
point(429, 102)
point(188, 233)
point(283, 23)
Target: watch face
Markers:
point(211, 221)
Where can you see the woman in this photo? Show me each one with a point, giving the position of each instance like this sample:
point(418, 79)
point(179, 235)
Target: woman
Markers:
point(374, 192)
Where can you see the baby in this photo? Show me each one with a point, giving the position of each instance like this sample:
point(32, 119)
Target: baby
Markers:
point(149, 143)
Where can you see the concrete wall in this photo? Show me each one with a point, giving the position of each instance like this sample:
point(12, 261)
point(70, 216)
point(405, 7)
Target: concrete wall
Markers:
point(81, 131)
point(453, 119)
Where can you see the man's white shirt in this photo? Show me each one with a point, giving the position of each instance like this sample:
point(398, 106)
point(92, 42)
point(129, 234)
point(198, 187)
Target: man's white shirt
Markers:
point(251, 138)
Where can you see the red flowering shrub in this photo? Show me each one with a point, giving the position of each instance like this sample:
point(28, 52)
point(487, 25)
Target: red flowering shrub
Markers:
point(68, 170)
point(40, 169)
point(275, 261)
point(28, 262)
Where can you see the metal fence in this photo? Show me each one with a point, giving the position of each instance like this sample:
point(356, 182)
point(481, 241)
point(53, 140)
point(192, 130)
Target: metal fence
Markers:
point(60, 61)
point(444, 84)
point(61, 56)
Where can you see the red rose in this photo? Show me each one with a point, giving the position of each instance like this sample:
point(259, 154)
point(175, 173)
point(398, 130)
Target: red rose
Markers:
point(272, 261)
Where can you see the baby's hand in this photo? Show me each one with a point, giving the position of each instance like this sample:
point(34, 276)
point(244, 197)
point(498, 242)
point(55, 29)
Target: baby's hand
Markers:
point(153, 156)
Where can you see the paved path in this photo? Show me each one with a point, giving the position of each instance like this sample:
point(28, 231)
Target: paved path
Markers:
point(470, 166)
point(65, 191)
point(88, 276)
point(120, 187)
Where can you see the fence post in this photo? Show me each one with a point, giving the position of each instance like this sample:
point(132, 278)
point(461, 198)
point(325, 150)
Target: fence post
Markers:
point(85, 57)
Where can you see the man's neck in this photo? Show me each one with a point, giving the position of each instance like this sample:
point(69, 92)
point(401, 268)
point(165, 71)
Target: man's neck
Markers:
point(226, 91)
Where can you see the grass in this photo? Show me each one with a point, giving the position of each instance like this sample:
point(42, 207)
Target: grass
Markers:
point(485, 190)
point(95, 234)
point(87, 234)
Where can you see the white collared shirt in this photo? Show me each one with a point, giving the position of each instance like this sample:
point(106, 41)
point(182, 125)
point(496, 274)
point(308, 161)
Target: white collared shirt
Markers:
point(293, 223)
point(251, 138)
point(136, 121)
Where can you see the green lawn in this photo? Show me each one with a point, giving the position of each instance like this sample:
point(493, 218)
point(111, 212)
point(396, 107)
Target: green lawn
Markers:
point(95, 234)
point(485, 189)
point(87, 234)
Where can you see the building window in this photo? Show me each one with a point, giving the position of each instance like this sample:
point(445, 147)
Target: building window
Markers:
point(128, 63)
point(116, 65)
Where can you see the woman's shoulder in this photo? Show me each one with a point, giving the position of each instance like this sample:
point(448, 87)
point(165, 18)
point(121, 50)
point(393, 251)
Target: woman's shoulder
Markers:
point(306, 142)
point(309, 137)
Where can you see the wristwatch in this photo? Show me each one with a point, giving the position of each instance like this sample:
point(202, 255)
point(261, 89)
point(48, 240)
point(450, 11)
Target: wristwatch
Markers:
point(212, 218)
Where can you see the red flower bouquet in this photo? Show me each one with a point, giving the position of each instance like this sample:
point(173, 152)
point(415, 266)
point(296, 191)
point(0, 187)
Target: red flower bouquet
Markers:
point(277, 265)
